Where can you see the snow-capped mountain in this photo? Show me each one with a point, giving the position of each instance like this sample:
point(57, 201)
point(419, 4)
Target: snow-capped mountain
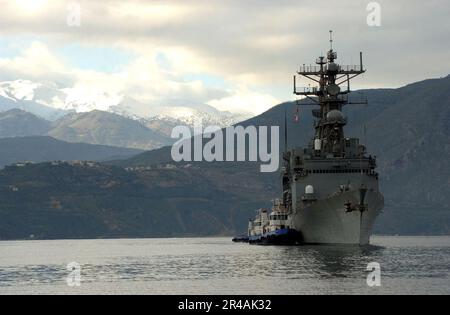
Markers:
point(49, 101)
point(27, 96)
point(192, 116)
point(18, 90)
point(79, 100)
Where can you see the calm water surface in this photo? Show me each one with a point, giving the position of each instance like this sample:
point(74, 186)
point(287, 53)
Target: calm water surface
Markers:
point(410, 265)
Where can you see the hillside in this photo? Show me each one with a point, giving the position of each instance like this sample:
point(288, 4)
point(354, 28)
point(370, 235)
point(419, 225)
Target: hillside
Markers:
point(96, 127)
point(99, 127)
point(407, 128)
point(40, 149)
point(18, 123)
point(81, 201)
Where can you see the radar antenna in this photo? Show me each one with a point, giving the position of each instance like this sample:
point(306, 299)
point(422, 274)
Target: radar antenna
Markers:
point(331, 94)
point(331, 40)
point(330, 77)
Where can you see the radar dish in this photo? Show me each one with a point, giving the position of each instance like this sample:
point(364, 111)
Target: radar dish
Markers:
point(333, 89)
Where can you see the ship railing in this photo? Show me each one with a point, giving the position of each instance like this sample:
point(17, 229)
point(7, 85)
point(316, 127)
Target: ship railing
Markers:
point(312, 69)
point(306, 89)
point(317, 69)
point(349, 68)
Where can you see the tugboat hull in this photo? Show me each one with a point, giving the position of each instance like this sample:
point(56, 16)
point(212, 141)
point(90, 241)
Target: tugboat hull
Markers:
point(279, 237)
point(327, 222)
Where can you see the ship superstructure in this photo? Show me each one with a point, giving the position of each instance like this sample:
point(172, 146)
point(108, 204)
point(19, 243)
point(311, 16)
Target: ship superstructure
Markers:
point(330, 188)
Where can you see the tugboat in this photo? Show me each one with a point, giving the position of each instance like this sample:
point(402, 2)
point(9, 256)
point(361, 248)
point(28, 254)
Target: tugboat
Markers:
point(274, 228)
point(330, 188)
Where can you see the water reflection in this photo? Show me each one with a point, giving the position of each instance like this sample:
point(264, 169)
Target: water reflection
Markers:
point(324, 261)
point(221, 264)
point(273, 262)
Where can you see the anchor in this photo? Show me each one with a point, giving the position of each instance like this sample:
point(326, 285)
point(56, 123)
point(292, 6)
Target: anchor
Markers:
point(361, 207)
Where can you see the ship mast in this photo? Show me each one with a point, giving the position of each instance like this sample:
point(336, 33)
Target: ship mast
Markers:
point(330, 96)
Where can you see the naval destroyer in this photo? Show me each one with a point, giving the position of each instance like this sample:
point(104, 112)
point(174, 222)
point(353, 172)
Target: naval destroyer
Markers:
point(330, 188)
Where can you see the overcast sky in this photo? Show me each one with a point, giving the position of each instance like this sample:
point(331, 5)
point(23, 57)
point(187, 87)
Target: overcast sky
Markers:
point(236, 55)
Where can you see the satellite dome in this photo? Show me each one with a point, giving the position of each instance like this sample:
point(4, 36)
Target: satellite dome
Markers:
point(309, 190)
point(335, 115)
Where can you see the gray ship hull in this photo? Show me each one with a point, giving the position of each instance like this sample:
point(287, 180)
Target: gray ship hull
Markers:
point(327, 222)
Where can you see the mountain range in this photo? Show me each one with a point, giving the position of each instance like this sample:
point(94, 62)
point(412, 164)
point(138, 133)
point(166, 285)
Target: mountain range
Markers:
point(47, 100)
point(95, 127)
point(82, 115)
point(149, 195)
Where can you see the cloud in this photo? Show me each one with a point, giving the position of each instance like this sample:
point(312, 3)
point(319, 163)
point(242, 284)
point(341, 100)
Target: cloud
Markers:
point(245, 100)
point(36, 63)
point(145, 79)
point(254, 45)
